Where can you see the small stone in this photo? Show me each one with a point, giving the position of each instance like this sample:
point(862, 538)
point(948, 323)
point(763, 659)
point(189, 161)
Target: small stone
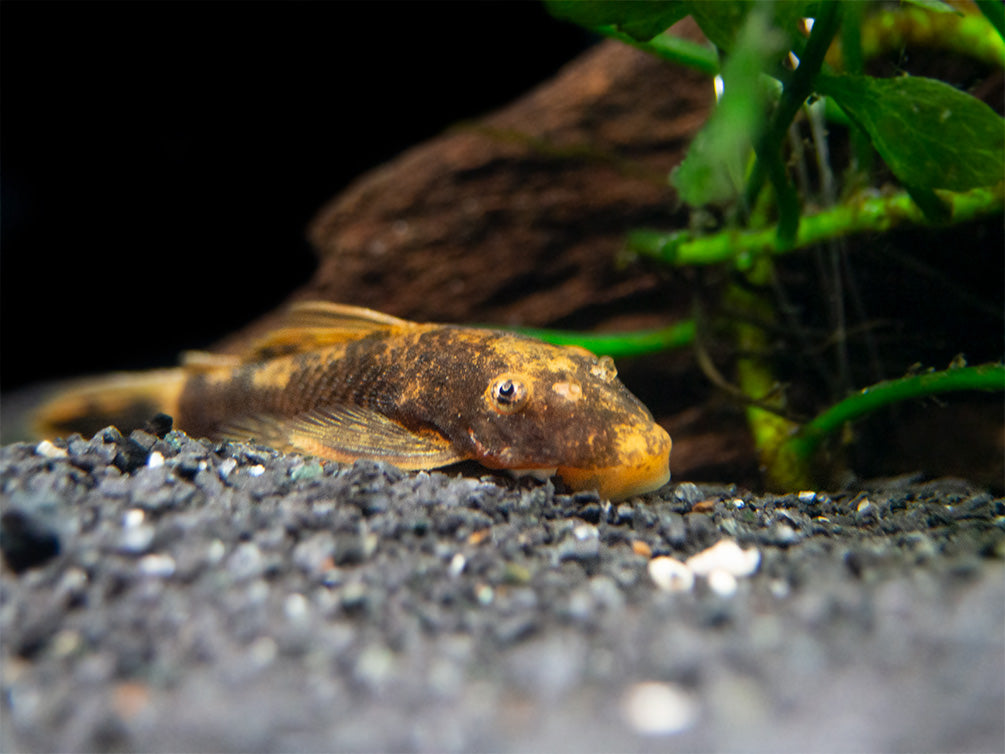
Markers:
point(670, 575)
point(725, 555)
point(779, 588)
point(722, 582)
point(144, 439)
point(673, 527)
point(27, 540)
point(296, 607)
point(688, 492)
point(583, 546)
point(155, 460)
point(807, 496)
point(162, 566)
point(48, 450)
point(246, 562)
point(263, 651)
point(226, 468)
point(658, 709)
point(641, 548)
point(705, 506)
point(133, 517)
point(136, 540)
point(131, 455)
point(457, 563)
point(306, 471)
point(484, 594)
point(215, 552)
point(866, 512)
point(65, 643)
point(159, 425)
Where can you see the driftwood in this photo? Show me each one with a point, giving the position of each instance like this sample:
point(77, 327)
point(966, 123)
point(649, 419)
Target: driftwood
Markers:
point(517, 218)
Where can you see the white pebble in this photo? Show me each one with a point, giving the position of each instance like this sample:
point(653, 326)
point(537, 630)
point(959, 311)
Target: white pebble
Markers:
point(47, 449)
point(215, 552)
point(263, 651)
point(296, 607)
point(658, 709)
point(722, 582)
point(256, 470)
point(155, 460)
point(457, 564)
point(725, 555)
point(227, 466)
point(779, 588)
point(807, 496)
point(157, 565)
point(133, 518)
point(737, 502)
point(670, 574)
point(484, 594)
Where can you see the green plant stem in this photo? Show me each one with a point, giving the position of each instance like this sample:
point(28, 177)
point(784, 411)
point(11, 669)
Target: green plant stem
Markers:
point(994, 12)
point(972, 34)
point(619, 345)
point(990, 377)
point(872, 214)
point(670, 48)
point(755, 373)
point(768, 148)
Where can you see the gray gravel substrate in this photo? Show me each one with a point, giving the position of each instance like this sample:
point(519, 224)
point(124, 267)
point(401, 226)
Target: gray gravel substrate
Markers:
point(179, 595)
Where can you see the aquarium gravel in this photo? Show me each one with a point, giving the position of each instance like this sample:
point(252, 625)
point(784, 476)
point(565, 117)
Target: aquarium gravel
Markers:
point(173, 594)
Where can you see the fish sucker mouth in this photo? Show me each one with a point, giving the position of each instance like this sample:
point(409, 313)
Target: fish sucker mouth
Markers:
point(641, 463)
point(635, 474)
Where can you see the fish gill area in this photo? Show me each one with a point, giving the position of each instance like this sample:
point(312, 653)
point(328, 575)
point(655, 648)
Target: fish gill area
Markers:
point(173, 594)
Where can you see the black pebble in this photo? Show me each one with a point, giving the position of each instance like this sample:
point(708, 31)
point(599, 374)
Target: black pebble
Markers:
point(159, 425)
point(26, 541)
point(131, 456)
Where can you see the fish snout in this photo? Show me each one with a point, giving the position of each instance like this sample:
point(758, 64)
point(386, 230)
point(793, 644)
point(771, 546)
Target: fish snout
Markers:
point(639, 462)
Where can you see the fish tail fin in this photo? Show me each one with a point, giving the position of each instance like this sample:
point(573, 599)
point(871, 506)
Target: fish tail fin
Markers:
point(126, 399)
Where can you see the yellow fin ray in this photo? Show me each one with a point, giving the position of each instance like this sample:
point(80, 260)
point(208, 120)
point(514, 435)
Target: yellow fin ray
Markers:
point(342, 317)
point(315, 324)
point(345, 434)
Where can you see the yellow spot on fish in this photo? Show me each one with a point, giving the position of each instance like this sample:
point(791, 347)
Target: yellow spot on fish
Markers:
point(568, 389)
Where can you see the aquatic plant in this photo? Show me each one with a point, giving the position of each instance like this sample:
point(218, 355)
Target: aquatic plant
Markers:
point(783, 73)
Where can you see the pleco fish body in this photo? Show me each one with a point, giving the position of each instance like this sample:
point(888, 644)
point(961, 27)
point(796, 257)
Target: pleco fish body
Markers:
point(346, 383)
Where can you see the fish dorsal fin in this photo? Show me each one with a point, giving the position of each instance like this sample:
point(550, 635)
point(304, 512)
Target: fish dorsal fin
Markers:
point(315, 324)
point(346, 434)
point(206, 361)
point(341, 317)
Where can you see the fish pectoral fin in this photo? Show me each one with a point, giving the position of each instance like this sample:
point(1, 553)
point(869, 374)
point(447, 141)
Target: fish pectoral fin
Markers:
point(315, 324)
point(346, 434)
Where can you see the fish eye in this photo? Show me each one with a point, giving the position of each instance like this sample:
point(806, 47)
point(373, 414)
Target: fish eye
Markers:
point(507, 394)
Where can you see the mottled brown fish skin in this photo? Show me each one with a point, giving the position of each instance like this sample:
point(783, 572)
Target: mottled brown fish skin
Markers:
point(577, 416)
point(346, 383)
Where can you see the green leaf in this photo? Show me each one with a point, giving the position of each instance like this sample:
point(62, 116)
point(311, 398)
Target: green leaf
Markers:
point(935, 6)
point(932, 135)
point(640, 19)
point(722, 22)
point(713, 172)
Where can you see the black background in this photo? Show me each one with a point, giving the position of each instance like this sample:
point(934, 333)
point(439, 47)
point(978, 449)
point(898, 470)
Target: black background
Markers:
point(160, 161)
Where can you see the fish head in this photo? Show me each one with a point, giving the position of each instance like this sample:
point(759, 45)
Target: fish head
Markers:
point(540, 407)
